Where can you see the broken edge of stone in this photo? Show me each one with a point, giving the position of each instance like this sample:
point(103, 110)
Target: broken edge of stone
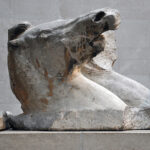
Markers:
point(3, 120)
point(133, 119)
point(2, 123)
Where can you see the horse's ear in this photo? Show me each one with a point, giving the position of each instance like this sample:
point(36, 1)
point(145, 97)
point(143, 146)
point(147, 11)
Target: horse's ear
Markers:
point(18, 29)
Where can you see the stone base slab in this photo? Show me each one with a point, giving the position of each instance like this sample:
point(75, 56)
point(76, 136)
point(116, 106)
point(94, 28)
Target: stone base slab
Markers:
point(71, 140)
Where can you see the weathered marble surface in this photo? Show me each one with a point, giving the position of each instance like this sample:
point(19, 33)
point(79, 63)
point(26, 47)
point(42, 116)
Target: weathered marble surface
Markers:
point(57, 78)
point(134, 94)
point(100, 71)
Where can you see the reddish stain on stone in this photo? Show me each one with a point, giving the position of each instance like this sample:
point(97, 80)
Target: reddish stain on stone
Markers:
point(45, 73)
point(17, 84)
point(50, 81)
point(67, 60)
point(37, 62)
point(44, 100)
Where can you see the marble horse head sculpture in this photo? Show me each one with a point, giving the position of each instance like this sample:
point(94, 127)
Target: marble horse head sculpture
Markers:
point(48, 74)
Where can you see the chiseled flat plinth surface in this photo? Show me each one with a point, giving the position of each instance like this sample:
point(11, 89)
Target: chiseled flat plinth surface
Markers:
point(71, 140)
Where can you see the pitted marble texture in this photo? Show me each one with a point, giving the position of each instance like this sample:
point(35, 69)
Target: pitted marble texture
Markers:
point(55, 72)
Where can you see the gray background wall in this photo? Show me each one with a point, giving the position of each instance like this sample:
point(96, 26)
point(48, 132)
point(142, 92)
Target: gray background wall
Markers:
point(133, 36)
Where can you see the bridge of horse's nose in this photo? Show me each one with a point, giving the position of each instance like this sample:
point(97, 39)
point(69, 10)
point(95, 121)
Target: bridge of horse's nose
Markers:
point(99, 16)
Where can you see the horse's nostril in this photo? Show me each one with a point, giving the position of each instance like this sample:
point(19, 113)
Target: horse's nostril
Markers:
point(99, 16)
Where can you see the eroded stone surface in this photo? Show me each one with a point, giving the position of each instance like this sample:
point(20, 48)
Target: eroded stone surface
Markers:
point(45, 64)
point(134, 94)
point(100, 71)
